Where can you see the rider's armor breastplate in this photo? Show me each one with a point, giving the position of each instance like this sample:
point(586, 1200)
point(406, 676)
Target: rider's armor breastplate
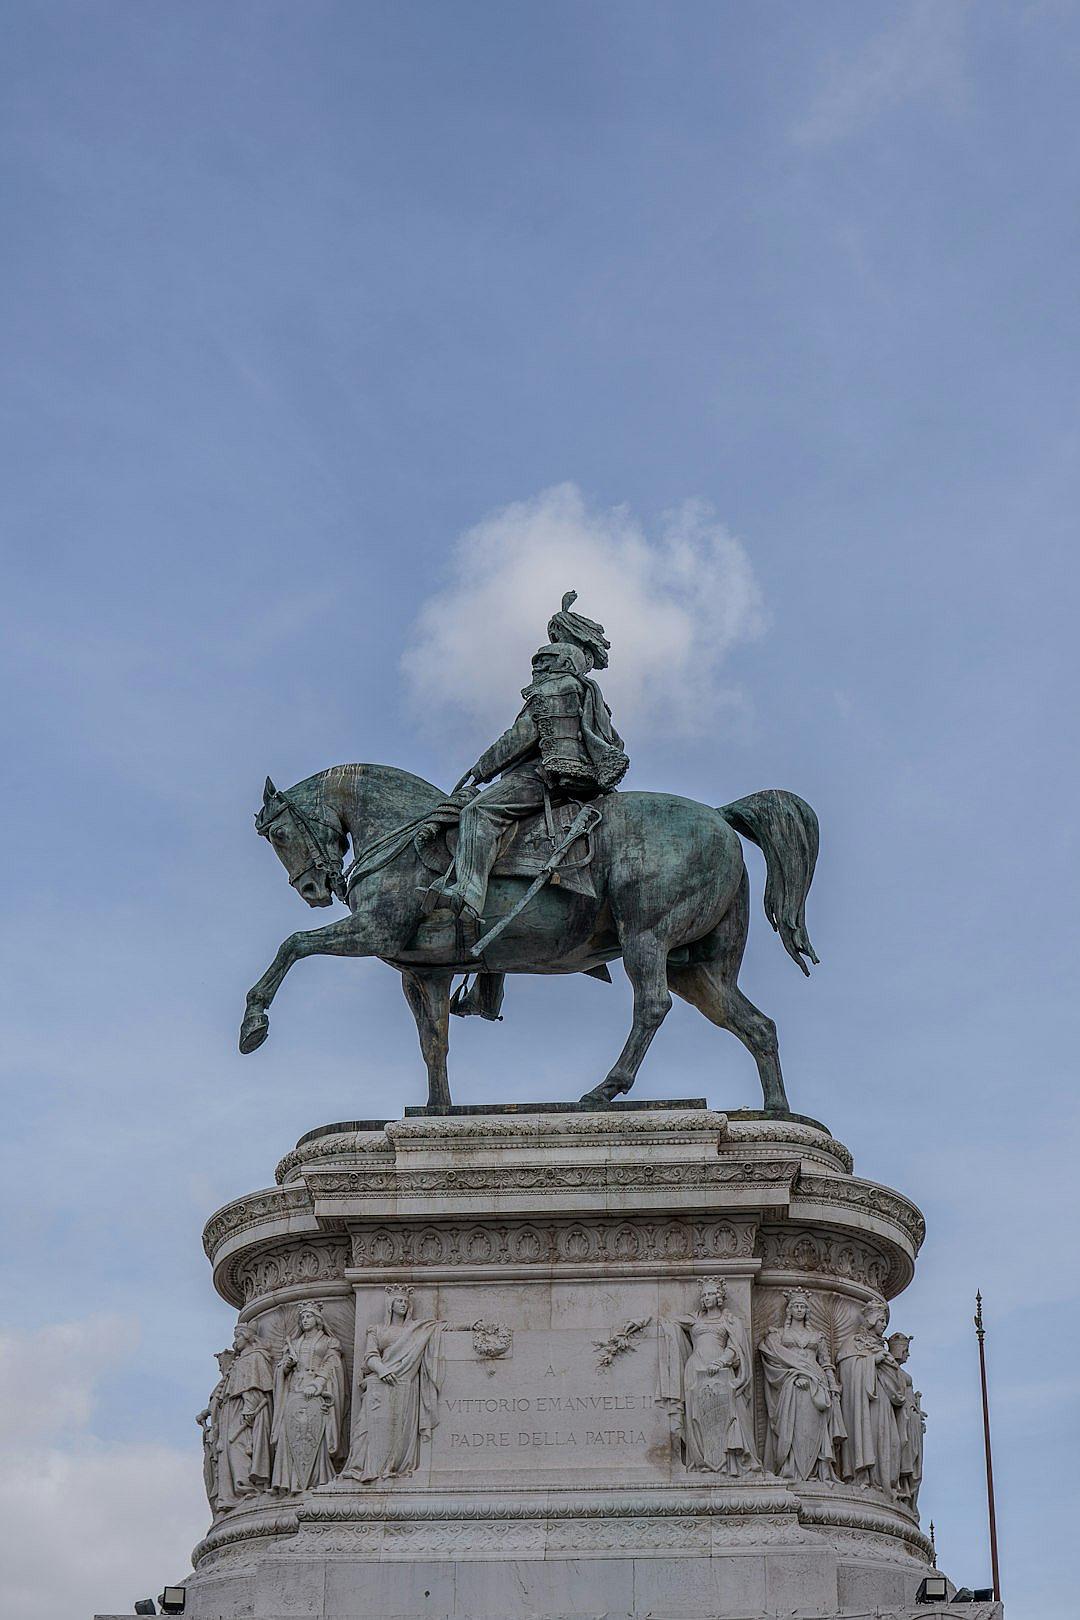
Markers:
point(556, 713)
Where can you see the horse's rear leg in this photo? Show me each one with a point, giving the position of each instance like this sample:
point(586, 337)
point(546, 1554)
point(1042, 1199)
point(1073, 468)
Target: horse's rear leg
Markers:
point(711, 985)
point(645, 961)
point(725, 1005)
point(428, 995)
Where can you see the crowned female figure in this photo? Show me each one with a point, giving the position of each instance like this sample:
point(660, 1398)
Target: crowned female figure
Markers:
point(402, 1373)
point(309, 1404)
point(802, 1396)
point(705, 1383)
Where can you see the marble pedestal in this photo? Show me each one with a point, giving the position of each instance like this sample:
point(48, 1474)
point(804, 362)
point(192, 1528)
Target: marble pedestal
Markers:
point(551, 1247)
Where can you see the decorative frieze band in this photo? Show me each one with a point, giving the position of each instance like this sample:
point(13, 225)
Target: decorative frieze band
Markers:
point(684, 1124)
point(523, 1131)
point(298, 1265)
point(279, 1205)
point(484, 1180)
point(335, 1145)
point(826, 1254)
point(868, 1198)
point(550, 1242)
point(750, 1136)
point(576, 1523)
point(275, 1204)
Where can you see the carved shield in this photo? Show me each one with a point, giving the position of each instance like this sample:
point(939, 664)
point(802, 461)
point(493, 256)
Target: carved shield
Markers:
point(304, 1423)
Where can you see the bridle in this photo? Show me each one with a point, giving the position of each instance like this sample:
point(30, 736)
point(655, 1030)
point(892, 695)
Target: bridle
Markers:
point(322, 859)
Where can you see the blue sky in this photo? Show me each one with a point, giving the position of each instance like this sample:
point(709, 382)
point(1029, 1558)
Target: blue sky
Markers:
point(300, 304)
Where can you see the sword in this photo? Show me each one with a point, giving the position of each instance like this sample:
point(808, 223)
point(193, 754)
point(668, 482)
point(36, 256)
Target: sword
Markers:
point(586, 819)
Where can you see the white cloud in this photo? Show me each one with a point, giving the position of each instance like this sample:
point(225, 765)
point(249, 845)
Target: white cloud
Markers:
point(920, 55)
point(89, 1524)
point(673, 607)
point(52, 1373)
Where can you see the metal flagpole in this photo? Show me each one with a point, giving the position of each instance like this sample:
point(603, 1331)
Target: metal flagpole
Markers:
point(980, 1334)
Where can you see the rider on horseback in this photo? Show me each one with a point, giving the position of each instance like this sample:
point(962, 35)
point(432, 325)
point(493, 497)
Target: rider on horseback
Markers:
point(562, 746)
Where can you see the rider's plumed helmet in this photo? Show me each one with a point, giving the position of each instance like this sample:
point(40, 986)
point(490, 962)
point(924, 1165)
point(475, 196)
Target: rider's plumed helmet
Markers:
point(579, 631)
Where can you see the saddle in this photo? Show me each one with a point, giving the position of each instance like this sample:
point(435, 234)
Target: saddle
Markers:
point(523, 851)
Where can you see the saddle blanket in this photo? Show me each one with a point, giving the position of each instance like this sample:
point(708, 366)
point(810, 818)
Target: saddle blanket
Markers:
point(525, 849)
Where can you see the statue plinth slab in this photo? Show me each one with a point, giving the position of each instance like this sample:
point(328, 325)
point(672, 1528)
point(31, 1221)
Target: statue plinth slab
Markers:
point(573, 1363)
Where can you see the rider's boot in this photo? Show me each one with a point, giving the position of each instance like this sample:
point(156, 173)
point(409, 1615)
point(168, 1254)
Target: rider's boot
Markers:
point(482, 999)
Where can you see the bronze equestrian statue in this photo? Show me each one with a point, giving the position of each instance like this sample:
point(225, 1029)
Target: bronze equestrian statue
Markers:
point(561, 746)
point(656, 879)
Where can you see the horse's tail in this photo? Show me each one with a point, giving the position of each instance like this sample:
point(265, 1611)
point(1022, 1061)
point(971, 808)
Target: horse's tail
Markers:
point(785, 829)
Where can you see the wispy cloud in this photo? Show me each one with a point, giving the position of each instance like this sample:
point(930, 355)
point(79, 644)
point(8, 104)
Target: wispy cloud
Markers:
point(919, 56)
point(80, 1512)
point(55, 1370)
point(673, 605)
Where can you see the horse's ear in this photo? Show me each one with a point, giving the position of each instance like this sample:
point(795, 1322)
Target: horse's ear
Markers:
point(269, 791)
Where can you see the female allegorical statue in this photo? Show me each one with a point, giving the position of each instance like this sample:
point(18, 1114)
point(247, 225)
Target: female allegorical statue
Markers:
point(243, 1421)
point(873, 1392)
point(402, 1375)
point(309, 1404)
point(705, 1383)
point(802, 1396)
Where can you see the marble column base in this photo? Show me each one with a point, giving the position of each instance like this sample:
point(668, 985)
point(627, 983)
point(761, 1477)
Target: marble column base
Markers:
point(551, 1246)
point(742, 1551)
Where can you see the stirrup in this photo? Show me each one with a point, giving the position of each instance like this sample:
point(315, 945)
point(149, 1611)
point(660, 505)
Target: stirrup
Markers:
point(466, 1002)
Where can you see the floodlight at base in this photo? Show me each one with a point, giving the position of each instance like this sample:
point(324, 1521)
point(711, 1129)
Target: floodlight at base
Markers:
point(934, 1589)
point(172, 1600)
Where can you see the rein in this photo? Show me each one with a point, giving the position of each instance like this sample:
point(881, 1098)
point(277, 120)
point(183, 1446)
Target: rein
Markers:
point(385, 849)
point(372, 858)
point(322, 860)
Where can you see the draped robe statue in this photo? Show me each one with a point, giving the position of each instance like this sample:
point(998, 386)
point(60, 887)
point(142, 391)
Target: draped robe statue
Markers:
point(911, 1422)
point(309, 1404)
point(209, 1421)
point(402, 1377)
point(243, 1450)
point(802, 1397)
point(872, 1392)
point(706, 1381)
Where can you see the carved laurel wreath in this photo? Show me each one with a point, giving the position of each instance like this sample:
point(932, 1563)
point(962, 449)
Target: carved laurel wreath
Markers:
point(491, 1339)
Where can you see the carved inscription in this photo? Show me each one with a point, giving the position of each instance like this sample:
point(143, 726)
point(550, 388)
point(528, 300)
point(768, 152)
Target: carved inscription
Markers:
point(568, 1422)
point(548, 1423)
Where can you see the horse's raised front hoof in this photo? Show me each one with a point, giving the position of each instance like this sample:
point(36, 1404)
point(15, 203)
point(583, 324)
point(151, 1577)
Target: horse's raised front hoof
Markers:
point(605, 1092)
point(253, 1031)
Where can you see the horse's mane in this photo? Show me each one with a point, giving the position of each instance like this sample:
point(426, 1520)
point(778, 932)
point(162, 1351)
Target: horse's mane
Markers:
point(385, 793)
point(405, 793)
point(380, 773)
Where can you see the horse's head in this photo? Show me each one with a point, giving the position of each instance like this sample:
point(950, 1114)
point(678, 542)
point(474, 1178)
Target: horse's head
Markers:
point(308, 847)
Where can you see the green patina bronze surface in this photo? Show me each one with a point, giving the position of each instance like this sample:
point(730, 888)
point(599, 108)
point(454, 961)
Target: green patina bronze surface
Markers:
point(659, 880)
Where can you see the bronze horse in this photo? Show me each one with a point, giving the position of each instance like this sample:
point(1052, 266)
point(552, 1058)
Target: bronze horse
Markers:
point(672, 899)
